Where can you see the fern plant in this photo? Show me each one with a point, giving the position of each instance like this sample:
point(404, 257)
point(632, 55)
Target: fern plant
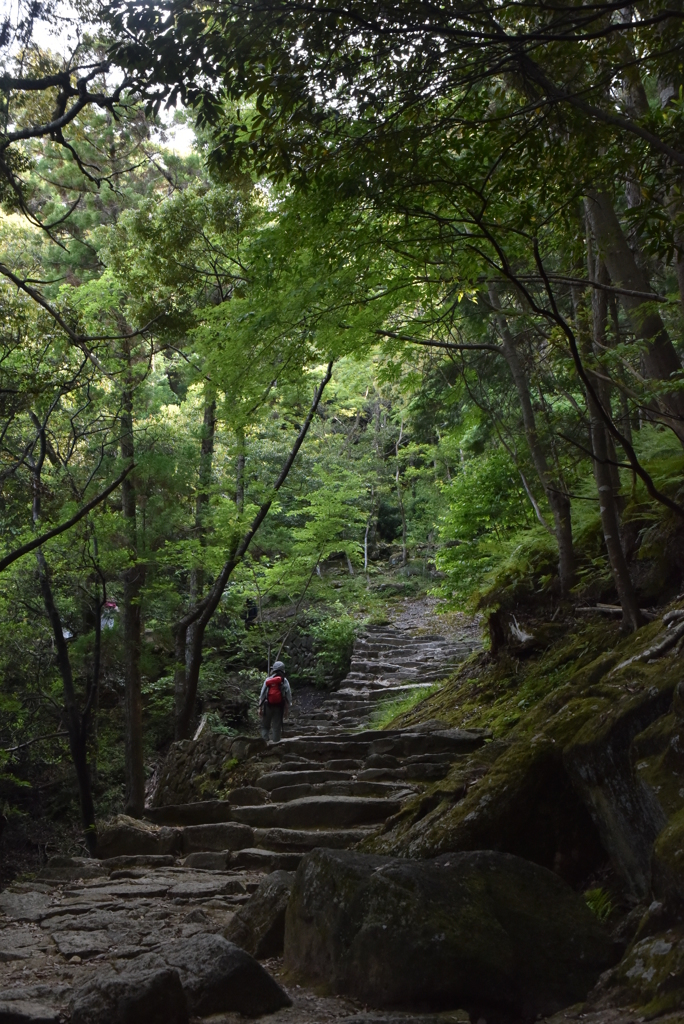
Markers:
point(599, 902)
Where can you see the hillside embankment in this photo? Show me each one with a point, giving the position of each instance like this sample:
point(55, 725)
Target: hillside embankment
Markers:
point(357, 852)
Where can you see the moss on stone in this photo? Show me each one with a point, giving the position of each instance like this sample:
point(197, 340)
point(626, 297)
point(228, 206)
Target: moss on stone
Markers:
point(564, 718)
point(651, 974)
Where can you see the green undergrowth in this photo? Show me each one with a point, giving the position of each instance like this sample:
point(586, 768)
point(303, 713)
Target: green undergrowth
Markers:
point(496, 693)
point(500, 694)
point(390, 710)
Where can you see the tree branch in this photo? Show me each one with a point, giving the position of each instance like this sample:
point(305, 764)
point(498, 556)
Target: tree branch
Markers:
point(55, 532)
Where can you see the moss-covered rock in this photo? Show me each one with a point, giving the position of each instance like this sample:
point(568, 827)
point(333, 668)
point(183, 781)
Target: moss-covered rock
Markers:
point(489, 932)
point(649, 977)
point(668, 861)
point(561, 787)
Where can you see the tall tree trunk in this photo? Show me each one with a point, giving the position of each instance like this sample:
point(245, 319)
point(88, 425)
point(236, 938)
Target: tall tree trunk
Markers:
point(93, 692)
point(77, 725)
point(133, 581)
point(204, 480)
point(603, 456)
point(660, 360)
point(559, 502)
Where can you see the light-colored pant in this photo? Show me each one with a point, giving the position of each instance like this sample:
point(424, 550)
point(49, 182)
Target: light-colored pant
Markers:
point(272, 721)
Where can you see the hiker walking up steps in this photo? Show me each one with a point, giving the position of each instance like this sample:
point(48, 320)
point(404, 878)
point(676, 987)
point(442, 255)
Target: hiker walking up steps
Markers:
point(274, 700)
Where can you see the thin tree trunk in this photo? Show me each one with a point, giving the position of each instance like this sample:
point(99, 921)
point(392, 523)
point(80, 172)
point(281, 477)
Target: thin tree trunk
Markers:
point(660, 360)
point(204, 610)
point(559, 502)
point(133, 581)
point(400, 497)
point(205, 468)
point(240, 472)
point(93, 691)
point(605, 482)
point(77, 724)
point(598, 272)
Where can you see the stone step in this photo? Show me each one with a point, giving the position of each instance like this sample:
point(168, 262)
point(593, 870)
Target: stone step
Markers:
point(399, 743)
point(358, 787)
point(256, 859)
point(301, 840)
point(341, 765)
point(219, 836)
point(406, 654)
point(319, 812)
point(277, 780)
point(369, 686)
point(415, 773)
point(204, 812)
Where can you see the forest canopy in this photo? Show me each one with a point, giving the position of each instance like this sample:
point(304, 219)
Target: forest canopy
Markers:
point(405, 317)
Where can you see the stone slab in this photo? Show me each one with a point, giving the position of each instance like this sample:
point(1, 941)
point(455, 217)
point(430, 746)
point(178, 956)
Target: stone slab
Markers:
point(275, 780)
point(206, 889)
point(24, 906)
point(83, 944)
point(230, 835)
point(296, 840)
point(204, 812)
point(21, 1011)
point(129, 861)
point(247, 795)
point(320, 812)
point(134, 888)
point(209, 861)
point(67, 868)
point(120, 840)
point(266, 860)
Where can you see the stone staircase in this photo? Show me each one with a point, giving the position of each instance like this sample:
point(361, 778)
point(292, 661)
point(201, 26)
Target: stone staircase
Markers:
point(189, 866)
point(332, 783)
point(388, 664)
point(328, 790)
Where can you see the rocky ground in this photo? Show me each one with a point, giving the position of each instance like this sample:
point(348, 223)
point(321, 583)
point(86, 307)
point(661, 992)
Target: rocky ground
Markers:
point(232, 816)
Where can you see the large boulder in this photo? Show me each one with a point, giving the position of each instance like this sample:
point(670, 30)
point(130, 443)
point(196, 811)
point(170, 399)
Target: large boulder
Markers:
point(201, 812)
point(562, 789)
point(218, 976)
point(69, 868)
point(138, 995)
point(485, 931)
point(259, 926)
point(199, 976)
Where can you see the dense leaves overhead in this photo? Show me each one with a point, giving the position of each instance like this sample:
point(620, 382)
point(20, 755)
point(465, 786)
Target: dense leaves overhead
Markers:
point(378, 76)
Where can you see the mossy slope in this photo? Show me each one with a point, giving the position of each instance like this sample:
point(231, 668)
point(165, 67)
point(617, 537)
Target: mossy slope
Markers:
point(558, 783)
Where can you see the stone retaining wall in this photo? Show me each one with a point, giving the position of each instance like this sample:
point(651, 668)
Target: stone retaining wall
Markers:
point(201, 769)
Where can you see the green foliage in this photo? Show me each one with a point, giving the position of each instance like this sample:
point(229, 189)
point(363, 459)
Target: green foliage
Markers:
point(333, 638)
point(599, 902)
point(389, 711)
point(486, 509)
point(189, 305)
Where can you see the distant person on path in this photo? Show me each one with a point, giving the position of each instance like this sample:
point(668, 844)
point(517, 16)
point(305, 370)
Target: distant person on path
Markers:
point(274, 703)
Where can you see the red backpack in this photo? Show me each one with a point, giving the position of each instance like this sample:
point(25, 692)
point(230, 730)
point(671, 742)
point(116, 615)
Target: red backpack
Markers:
point(275, 689)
